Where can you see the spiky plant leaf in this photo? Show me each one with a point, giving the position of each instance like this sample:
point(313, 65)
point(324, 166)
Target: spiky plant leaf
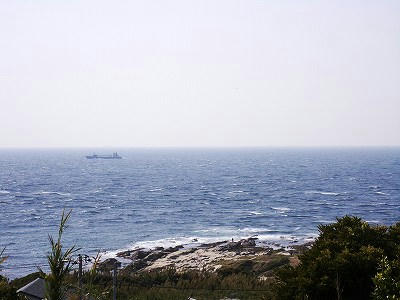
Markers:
point(59, 261)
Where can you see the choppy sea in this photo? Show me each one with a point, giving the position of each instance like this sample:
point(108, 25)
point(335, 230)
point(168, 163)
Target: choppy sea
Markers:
point(162, 197)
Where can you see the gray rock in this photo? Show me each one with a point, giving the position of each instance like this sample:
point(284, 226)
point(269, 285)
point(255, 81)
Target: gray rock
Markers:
point(140, 254)
point(173, 249)
point(135, 267)
point(134, 254)
point(240, 245)
point(155, 255)
point(108, 265)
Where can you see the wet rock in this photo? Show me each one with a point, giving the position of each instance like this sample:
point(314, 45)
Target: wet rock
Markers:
point(231, 246)
point(134, 267)
point(251, 242)
point(173, 249)
point(140, 254)
point(149, 255)
point(299, 249)
point(155, 255)
point(108, 265)
point(134, 254)
point(212, 245)
point(239, 246)
point(189, 251)
point(125, 254)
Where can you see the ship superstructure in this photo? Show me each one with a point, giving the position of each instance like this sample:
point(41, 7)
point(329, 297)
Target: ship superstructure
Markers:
point(113, 156)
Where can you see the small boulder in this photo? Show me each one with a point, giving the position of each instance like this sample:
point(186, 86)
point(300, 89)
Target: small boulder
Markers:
point(108, 265)
point(140, 254)
point(134, 267)
point(155, 255)
point(173, 249)
point(250, 242)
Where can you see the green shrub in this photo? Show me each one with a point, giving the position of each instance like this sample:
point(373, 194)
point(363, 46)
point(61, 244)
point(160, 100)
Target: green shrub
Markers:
point(387, 280)
point(341, 263)
point(7, 291)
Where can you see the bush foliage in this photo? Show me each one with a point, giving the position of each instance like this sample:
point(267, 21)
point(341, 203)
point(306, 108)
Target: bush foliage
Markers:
point(387, 280)
point(342, 262)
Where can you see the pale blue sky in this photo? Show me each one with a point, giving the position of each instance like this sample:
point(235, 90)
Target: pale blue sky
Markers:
point(199, 73)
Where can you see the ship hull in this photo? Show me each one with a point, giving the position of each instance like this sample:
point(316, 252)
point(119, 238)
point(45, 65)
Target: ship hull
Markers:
point(95, 156)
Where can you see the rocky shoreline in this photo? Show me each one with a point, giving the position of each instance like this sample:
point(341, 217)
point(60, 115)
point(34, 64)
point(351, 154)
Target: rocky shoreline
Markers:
point(210, 257)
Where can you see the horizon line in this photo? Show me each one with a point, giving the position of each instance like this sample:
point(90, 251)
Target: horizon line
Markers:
point(199, 147)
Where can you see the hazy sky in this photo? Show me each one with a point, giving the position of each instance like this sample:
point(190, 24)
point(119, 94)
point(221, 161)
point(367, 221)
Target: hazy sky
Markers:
point(199, 73)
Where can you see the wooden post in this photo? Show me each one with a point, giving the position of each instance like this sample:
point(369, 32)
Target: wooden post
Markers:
point(80, 277)
point(115, 282)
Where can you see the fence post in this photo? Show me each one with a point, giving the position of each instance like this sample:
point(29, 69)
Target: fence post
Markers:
point(80, 276)
point(115, 282)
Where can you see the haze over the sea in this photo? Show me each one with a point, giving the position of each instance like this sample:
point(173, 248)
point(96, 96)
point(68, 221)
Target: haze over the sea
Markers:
point(199, 73)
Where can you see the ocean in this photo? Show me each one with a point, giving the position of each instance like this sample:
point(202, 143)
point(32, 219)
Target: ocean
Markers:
point(163, 197)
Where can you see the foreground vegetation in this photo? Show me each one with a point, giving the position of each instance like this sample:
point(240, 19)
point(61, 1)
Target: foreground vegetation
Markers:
point(60, 264)
point(350, 259)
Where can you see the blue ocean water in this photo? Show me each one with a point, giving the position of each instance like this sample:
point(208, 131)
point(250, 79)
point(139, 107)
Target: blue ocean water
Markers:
point(171, 196)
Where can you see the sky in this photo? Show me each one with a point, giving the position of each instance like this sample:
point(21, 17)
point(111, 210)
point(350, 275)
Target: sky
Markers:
point(218, 73)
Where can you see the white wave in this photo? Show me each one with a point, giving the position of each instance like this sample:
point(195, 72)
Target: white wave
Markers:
point(252, 230)
point(326, 221)
point(236, 192)
point(255, 213)
point(229, 232)
point(172, 242)
point(203, 230)
point(52, 193)
point(281, 209)
point(4, 192)
point(104, 255)
point(214, 235)
point(156, 190)
point(381, 193)
point(277, 241)
point(268, 238)
point(322, 193)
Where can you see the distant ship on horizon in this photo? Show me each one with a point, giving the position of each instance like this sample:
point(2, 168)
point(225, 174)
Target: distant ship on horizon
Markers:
point(113, 156)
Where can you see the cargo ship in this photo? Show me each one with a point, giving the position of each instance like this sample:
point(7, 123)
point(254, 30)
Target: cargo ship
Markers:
point(113, 156)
